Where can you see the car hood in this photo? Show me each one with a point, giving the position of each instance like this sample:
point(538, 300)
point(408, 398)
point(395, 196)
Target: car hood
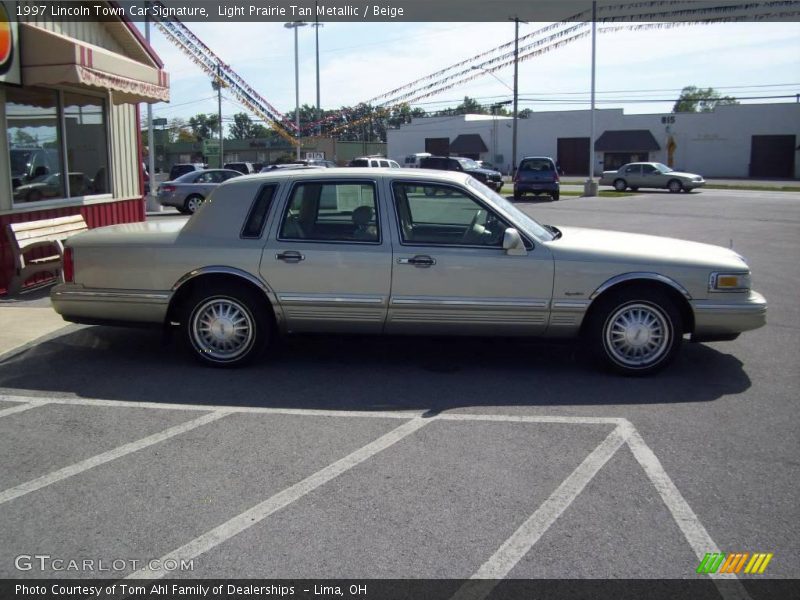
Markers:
point(484, 172)
point(163, 231)
point(615, 246)
point(682, 174)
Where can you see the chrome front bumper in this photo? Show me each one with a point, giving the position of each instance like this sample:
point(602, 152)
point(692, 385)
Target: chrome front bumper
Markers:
point(724, 316)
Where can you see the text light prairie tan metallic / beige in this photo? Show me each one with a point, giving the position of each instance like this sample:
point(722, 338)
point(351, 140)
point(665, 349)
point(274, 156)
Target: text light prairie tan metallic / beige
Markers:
point(401, 251)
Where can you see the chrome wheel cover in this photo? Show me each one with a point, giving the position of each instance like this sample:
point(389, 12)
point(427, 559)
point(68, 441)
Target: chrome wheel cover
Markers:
point(675, 186)
point(637, 335)
point(620, 185)
point(222, 329)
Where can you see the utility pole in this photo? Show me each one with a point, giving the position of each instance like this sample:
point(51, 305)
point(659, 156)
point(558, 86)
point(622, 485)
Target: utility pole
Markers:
point(516, 96)
point(151, 202)
point(590, 187)
point(219, 113)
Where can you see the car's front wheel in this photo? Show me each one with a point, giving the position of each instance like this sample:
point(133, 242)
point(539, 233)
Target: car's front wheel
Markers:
point(674, 186)
point(637, 331)
point(620, 185)
point(226, 326)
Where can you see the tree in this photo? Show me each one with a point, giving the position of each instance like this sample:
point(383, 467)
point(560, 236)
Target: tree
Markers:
point(525, 113)
point(179, 131)
point(694, 99)
point(204, 127)
point(243, 128)
point(24, 138)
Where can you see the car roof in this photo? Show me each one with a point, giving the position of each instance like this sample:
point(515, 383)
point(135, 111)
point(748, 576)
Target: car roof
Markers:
point(354, 173)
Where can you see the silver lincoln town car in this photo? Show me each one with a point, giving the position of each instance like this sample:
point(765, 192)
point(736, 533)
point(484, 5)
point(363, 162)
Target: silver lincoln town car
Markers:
point(400, 251)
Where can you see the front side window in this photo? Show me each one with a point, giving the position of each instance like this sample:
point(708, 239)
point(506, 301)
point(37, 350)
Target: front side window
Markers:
point(444, 215)
point(649, 170)
point(332, 212)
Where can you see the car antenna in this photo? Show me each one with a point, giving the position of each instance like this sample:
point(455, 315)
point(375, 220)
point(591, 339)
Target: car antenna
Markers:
point(730, 243)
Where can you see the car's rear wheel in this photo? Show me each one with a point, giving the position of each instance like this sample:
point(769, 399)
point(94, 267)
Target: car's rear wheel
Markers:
point(226, 326)
point(193, 203)
point(674, 186)
point(637, 331)
point(517, 195)
point(555, 195)
point(620, 185)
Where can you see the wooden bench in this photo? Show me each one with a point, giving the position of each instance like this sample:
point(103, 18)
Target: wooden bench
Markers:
point(46, 233)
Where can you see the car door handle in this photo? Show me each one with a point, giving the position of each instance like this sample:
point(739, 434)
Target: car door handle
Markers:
point(290, 256)
point(417, 261)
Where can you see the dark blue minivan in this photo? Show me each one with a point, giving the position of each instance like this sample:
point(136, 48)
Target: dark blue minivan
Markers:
point(537, 175)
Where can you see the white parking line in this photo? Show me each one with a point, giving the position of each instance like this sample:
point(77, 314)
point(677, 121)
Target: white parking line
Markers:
point(261, 511)
point(312, 412)
point(522, 540)
point(20, 408)
point(728, 585)
point(94, 461)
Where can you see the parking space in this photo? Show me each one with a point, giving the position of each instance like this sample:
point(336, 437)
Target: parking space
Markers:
point(370, 457)
point(359, 494)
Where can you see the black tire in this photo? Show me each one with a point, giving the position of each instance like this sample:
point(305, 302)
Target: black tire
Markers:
point(233, 305)
point(620, 185)
point(193, 203)
point(674, 186)
point(555, 196)
point(640, 348)
point(517, 195)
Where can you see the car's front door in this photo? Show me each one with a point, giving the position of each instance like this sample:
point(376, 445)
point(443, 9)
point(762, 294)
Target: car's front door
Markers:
point(652, 177)
point(450, 272)
point(327, 258)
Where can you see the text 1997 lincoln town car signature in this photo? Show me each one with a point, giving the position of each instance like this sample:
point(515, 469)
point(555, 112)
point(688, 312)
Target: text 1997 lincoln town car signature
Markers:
point(400, 252)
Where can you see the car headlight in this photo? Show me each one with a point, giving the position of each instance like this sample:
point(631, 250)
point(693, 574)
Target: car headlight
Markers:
point(729, 282)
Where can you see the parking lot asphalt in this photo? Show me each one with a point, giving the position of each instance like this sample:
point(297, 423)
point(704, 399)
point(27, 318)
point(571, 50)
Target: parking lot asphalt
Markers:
point(429, 457)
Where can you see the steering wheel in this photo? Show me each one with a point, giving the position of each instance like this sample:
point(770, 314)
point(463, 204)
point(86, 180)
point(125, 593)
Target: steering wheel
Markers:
point(471, 228)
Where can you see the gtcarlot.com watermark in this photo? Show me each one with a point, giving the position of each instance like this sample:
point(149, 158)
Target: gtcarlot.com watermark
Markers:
point(46, 562)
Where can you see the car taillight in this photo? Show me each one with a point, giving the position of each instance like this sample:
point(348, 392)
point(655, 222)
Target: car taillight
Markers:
point(167, 188)
point(68, 268)
point(556, 178)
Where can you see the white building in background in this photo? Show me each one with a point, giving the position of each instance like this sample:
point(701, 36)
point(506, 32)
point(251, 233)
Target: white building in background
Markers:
point(740, 140)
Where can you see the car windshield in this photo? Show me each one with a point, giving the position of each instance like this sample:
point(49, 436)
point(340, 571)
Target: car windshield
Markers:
point(19, 161)
point(511, 212)
point(468, 163)
point(662, 168)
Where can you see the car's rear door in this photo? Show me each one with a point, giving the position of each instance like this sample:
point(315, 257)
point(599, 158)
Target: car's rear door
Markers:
point(328, 258)
point(450, 273)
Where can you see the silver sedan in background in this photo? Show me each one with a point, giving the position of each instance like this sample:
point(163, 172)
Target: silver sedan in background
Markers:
point(189, 191)
point(651, 175)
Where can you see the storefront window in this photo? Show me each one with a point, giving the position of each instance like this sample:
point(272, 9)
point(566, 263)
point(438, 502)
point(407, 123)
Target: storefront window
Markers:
point(87, 150)
point(34, 141)
point(35, 144)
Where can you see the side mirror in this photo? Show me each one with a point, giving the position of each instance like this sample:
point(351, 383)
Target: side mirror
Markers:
point(513, 244)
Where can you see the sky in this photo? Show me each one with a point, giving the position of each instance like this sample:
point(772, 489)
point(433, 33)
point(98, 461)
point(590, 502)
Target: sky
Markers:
point(361, 60)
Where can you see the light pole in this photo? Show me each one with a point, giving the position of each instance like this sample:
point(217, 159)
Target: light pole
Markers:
point(590, 187)
point(316, 25)
point(294, 25)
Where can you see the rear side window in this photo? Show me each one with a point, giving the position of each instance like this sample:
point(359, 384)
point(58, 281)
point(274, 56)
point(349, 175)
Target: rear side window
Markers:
point(359, 162)
point(332, 212)
point(540, 165)
point(254, 224)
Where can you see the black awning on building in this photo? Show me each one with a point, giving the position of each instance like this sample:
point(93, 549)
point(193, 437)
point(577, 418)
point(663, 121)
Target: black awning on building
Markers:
point(468, 143)
point(632, 140)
